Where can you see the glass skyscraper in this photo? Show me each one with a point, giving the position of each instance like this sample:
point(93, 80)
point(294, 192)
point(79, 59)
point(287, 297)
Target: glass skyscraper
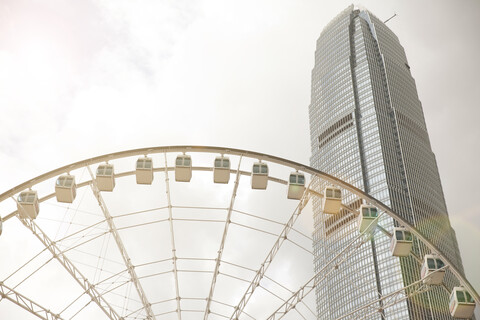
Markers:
point(367, 128)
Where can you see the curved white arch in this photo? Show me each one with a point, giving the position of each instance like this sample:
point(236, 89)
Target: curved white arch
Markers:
point(250, 154)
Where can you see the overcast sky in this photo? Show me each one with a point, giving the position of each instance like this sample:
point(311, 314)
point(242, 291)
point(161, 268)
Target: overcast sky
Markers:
point(83, 78)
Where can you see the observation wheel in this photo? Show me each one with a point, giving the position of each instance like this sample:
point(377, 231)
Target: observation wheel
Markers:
point(193, 232)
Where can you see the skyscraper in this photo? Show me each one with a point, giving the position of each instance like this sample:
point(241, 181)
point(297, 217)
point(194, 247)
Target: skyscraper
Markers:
point(367, 128)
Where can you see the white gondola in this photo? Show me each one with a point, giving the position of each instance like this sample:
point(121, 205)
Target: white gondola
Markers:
point(332, 200)
point(296, 185)
point(183, 168)
point(144, 171)
point(105, 177)
point(221, 170)
point(461, 303)
point(27, 204)
point(65, 188)
point(259, 176)
point(401, 243)
point(430, 270)
point(367, 219)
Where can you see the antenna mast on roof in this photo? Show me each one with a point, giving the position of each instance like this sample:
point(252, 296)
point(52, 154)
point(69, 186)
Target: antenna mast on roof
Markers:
point(394, 15)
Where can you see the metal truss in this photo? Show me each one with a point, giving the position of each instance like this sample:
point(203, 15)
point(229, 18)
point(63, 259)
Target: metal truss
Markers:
point(222, 244)
point(128, 263)
point(387, 300)
point(268, 260)
point(89, 288)
point(172, 240)
point(311, 284)
point(26, 303)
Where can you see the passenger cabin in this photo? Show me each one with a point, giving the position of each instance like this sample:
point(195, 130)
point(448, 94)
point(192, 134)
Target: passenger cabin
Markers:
point(461, 303)
point(144, 170)
point(296, 185)
point(183, 168)
point(27, 204)
point(259, 176)
point(332, 200)
point(401, 243)
point(367, 218)
point(65, 188)
point(430, 270)
point(221, 170)
point(105, 177)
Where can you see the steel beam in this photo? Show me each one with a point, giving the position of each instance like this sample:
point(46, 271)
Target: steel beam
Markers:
point(222, 244)
point(26, 303)
point(268, 260)
point(172, 241)
point(71, 268)
point(126, 259)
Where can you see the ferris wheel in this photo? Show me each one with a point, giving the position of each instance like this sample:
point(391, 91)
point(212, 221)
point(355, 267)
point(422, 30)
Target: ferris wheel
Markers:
point(195, 232)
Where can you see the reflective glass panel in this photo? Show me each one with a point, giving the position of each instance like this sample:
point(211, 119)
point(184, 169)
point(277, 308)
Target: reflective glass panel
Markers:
point(365, 212)
point(399, 235)
point(329, 193)
point(440, 264)
point(301, 179)
point(469, 298)
point(338, 194)
point(408, 236)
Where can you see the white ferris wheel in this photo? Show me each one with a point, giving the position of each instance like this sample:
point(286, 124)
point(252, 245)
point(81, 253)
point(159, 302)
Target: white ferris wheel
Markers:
point(191, 232)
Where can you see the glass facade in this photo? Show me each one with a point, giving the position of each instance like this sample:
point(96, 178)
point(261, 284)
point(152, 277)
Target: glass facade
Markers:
point(367, 128)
